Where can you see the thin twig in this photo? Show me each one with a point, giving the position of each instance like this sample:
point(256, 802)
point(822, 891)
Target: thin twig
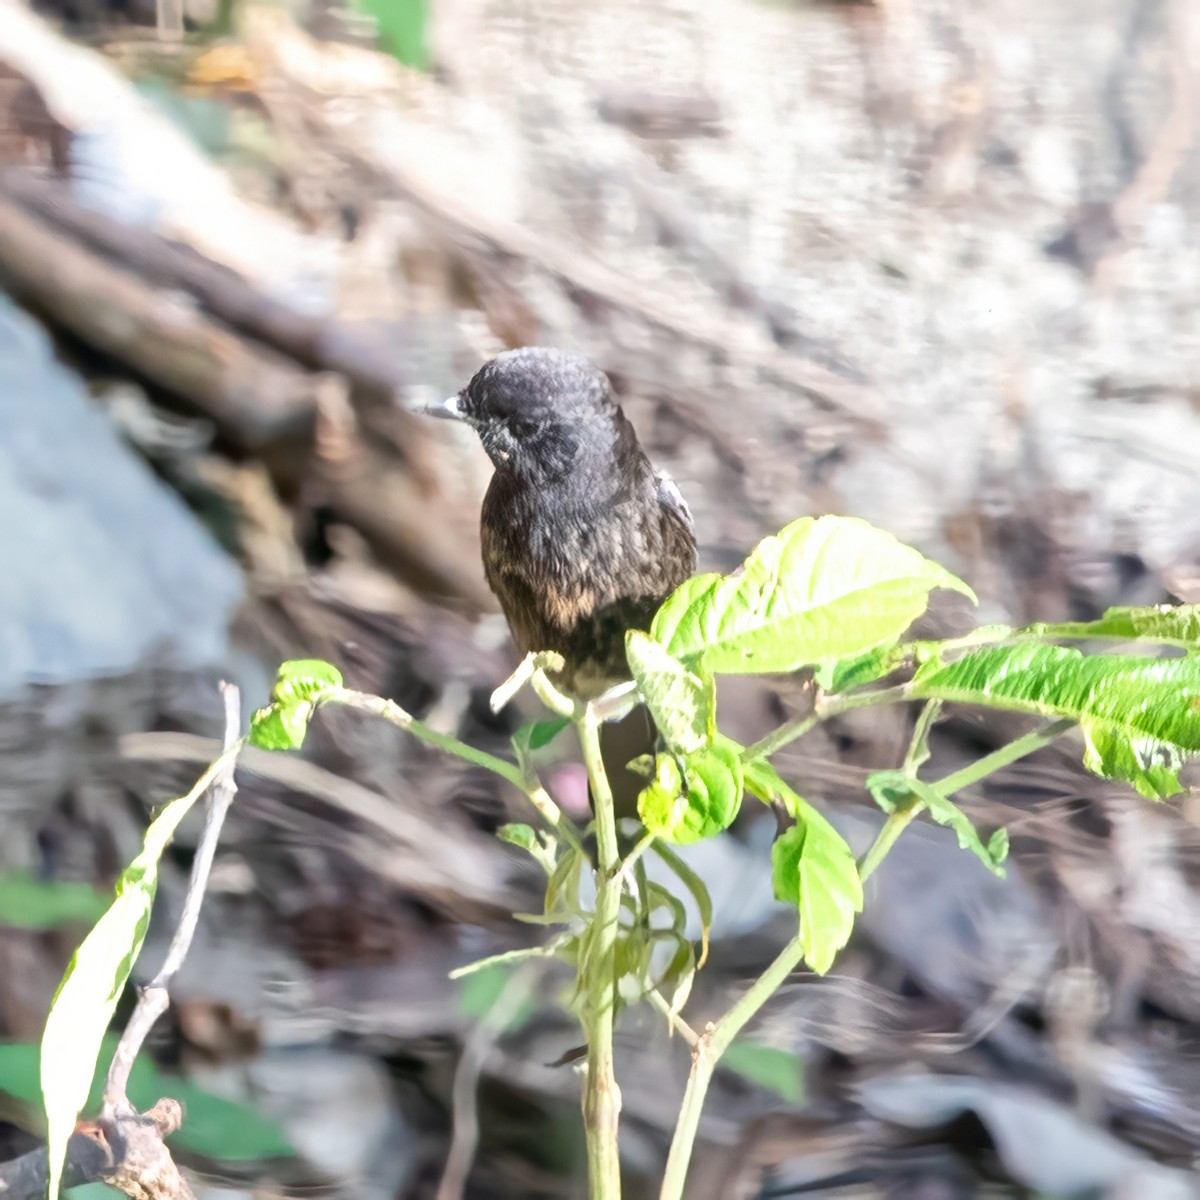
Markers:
point(681, 1027)
point(478, 1047)
point(152, 1002)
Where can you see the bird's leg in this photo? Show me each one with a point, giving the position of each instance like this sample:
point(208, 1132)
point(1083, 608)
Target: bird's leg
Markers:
point(531, 665)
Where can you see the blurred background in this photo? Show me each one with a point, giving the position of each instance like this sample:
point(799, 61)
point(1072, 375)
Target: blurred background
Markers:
point(935, 263)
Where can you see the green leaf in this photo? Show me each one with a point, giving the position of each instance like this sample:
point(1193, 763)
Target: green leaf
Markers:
point(300, 685)
point(280, 727)
point(813, 869)
point(562, 888)
point(680, 975)
point(1140, 717)
point(1167, 624)
point(95, 978)
point(848, 673)
point(820, 592)
point(401, 28)
point(699, 893)
point(305, 679)
point(537, 735)
point(29, 903)
point(681, 703)
point(778, 1071)
point(479, 991)
point(891, 789)
point(220, 1129)
point(521, 835)
point(713, 778)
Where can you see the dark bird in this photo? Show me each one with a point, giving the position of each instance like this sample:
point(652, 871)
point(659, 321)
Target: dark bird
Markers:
point(582, 537)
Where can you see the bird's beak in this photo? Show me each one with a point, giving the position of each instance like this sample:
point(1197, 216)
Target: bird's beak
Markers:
point(450, 410)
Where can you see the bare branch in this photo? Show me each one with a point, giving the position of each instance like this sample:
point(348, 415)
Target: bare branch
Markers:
point(152, 1002)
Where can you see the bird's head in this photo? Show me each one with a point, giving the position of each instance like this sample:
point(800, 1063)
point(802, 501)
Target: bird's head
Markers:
point(535, 407)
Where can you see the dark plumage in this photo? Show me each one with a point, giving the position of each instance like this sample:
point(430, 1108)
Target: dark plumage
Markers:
point(582, 537)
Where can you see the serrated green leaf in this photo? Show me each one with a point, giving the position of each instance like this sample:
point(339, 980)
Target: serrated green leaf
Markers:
point(305, 679)
point(844, 674)
point(713, 779)
point(682, 704)
point(776, 1070)
point(280, 726)
point(813, 869)
point(1167, 624)
point(94, 980)
point(819, 592)
point(29, 903)
point(1140, 717)
point(893, 788)
point(300, 684)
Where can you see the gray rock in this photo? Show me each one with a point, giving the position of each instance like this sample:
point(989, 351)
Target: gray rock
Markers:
point(104, 569)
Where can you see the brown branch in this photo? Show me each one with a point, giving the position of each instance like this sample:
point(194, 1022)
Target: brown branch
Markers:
point(317, 342)
point(125, 1148)
point(254, 394)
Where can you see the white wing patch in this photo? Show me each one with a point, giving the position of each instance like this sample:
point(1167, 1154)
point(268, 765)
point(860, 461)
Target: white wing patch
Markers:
point(670, 495)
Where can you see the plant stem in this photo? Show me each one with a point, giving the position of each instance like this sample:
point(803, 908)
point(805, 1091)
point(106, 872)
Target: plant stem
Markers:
point(536, 794)
point(712, 1044)
point(718, 1036)
point(1035, 739)
point(601, 1097)
point(823, 708)
point(898, 820)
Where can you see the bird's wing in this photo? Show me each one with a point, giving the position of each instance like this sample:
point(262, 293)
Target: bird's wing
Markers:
point(672, 498)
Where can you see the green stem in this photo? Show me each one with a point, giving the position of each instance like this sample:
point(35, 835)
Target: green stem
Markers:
point(707, 1052)
point(601, 1097)
point(537, 795)
point(717, 1037)
point(823, 708)
point(898, 820)
point(1035, 739)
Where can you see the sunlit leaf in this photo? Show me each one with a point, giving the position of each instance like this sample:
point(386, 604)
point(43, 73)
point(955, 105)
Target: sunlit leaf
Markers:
point(1140, 717)
point(300, 684)
point(700, 805)
point(820, 592)
point(813, 869)
point(681, 703)
point(94, 980)
point(893, 788)
point(1168, 624)
point(305, 679)
point(280, 726)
